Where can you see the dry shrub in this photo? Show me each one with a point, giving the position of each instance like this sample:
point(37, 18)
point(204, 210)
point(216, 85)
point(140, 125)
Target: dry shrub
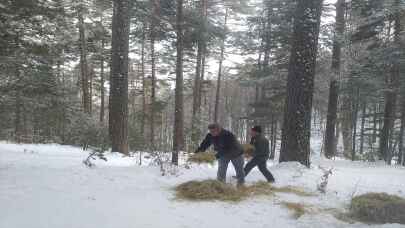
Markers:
point(248, 150)
point(203, 157)
point(298, 209)
point(378, 208)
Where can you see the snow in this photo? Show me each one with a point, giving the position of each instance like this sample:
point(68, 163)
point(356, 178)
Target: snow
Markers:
point(48, 186)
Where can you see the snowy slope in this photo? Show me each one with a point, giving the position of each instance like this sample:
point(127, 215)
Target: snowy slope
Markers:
point(45, 186)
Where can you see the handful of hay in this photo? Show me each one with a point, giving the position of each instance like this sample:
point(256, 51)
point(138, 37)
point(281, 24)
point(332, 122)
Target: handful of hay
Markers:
point(248, 150)
point(378, 208)
point(206, 157)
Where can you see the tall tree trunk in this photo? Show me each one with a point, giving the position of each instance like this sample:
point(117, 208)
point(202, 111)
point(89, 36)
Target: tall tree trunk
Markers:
point(18, 130)
point(154, 23)
point(195, 119)
point(273, 137)
point(363, 122)
point(354, 127)
point(102, 82)
point(178, 134)
point(375, 123)
point(391, 96)
point(83, 63)
point(295, 144)
point(330, 131)
point(346, 125)
point(267, 36)
point(221, 59)
point(91, 77)
point(401, 150)
point(143, 81)
point(118, 105)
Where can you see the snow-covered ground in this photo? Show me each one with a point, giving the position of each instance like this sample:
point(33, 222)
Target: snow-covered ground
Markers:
point(45, 186)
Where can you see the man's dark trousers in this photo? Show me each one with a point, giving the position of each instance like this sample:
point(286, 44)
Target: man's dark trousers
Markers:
point(261, 163)
point(237, 164)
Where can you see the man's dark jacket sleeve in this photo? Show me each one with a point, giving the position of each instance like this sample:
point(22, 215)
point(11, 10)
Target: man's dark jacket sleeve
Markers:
point(205, 144)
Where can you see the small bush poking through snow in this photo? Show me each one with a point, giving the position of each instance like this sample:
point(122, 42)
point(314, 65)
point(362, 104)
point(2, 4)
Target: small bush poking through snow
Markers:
point(378, 208)
point(207, 157)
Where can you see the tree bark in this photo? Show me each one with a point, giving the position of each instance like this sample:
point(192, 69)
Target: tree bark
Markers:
point(178, 134)
point(295, 144)
point(221, 59)
point(118, 105)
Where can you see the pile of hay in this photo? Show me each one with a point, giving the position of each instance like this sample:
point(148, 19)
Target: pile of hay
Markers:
point(378, 208)
point(248, 150)
point(205, 157)
point(208, 190)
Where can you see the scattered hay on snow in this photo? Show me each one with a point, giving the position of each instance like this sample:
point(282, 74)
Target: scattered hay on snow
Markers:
point(298, 209)
point(209, 190)
point(204, 157)
point(378, 208)
point(294, 190)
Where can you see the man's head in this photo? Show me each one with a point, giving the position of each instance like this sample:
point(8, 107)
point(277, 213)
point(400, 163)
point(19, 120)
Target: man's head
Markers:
point(256, 130)
point(214, 129)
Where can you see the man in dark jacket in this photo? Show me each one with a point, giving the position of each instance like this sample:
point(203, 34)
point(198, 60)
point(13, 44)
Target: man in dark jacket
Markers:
point(228, 150)
point(261, 154)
